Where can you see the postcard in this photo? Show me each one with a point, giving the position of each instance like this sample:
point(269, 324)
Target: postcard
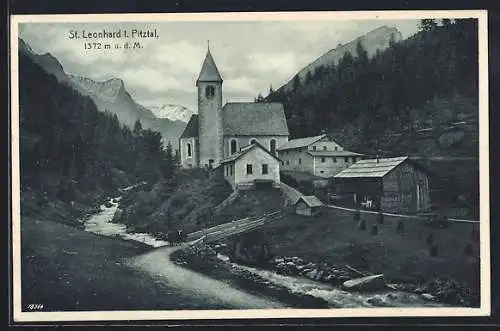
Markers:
point(250, 165)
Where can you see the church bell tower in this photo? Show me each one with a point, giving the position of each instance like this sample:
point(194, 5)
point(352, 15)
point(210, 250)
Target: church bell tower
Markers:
point(209, 84)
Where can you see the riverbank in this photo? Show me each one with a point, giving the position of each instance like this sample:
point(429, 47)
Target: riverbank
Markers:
point(300, 292)
point(67, 269)
point(203, 259)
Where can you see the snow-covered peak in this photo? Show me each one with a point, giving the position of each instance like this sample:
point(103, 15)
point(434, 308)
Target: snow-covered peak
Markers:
point(172, 112)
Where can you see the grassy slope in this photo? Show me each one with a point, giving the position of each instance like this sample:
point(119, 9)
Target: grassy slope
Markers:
point(64, 268)
point(251, 203)
point(334, 237)
point(183, 204)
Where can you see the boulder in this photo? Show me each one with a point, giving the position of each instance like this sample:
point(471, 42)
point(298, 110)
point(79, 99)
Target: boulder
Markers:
point(312, 274)
point(279, 260)
point(369, 283)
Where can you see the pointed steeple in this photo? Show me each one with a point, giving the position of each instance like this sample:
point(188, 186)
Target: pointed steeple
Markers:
point(209, 71)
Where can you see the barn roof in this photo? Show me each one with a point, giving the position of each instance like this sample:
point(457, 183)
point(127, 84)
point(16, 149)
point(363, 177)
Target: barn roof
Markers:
point(245, 150)
point(371, 168)
point(191, 129)
point(254, 118)
point(209, 71)
point(310, 200)
point(301, 142)
point(333, 153)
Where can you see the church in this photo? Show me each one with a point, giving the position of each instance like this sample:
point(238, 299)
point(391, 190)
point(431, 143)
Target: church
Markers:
point(219, 131)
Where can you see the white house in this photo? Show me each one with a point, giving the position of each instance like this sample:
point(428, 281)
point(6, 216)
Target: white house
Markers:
point(320, 156)
point(251, 165)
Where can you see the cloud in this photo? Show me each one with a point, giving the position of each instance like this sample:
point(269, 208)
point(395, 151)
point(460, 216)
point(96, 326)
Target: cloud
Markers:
point(156, 80)
point(240, 84)
point(180, 56)
point(283, 63)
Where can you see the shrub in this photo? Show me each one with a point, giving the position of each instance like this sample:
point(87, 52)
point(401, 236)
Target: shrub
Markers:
point(433, 251)
point(374, 230)
point(361, 225)
point(430, 239)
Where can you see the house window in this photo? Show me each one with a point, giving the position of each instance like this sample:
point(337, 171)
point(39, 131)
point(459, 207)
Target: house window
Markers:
point(321, 172)
point(322, 159)
point(334, 159)
point(234, 146)
point(264, 169)
point(287, 162)
point(189, 150)
point(346, 159)
point(209, 92)
point(314, 148)
point(324, 148)
point(336, 148)
point(249, 169)
point(230, 170)
point(353, 160)
point(273, 146)
point(300, 161)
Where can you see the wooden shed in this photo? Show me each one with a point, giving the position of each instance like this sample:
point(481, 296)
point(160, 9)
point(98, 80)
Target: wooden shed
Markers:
point(308, 205)
point(394, 184)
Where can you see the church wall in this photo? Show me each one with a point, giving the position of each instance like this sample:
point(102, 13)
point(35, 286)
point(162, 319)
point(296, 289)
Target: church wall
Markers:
point(210, 124)
point(186, 160)
point(243, 141)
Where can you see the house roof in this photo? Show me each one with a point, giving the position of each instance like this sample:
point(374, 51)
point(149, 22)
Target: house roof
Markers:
point(301, 142)
point(209, 71)
point(191, 129)
point(310, 200)
point(371, 168)
point(245, 150)
point(333, 153)
point(254, 118)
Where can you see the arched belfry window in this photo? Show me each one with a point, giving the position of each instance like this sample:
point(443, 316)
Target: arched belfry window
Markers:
point(209, 91)
point(273, 146)
point(189, 151)
point(234, 146)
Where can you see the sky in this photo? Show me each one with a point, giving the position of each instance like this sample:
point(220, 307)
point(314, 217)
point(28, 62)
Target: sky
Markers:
point(250, 55)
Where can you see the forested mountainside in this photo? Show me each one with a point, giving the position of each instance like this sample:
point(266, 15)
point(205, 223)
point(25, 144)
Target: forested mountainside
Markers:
point(70, 151)
point(419, 96)
point(110, 95)
point(373, 41)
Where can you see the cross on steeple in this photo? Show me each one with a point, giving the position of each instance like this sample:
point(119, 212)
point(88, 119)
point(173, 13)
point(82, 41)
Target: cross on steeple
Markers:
point(208, 45)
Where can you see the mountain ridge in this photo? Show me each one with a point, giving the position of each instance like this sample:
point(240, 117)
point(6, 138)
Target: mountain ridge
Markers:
point(109, 95)
point(376, 39)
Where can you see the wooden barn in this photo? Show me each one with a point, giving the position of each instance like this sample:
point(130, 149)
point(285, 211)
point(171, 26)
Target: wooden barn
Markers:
point(392, 184)
point(308, 205)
